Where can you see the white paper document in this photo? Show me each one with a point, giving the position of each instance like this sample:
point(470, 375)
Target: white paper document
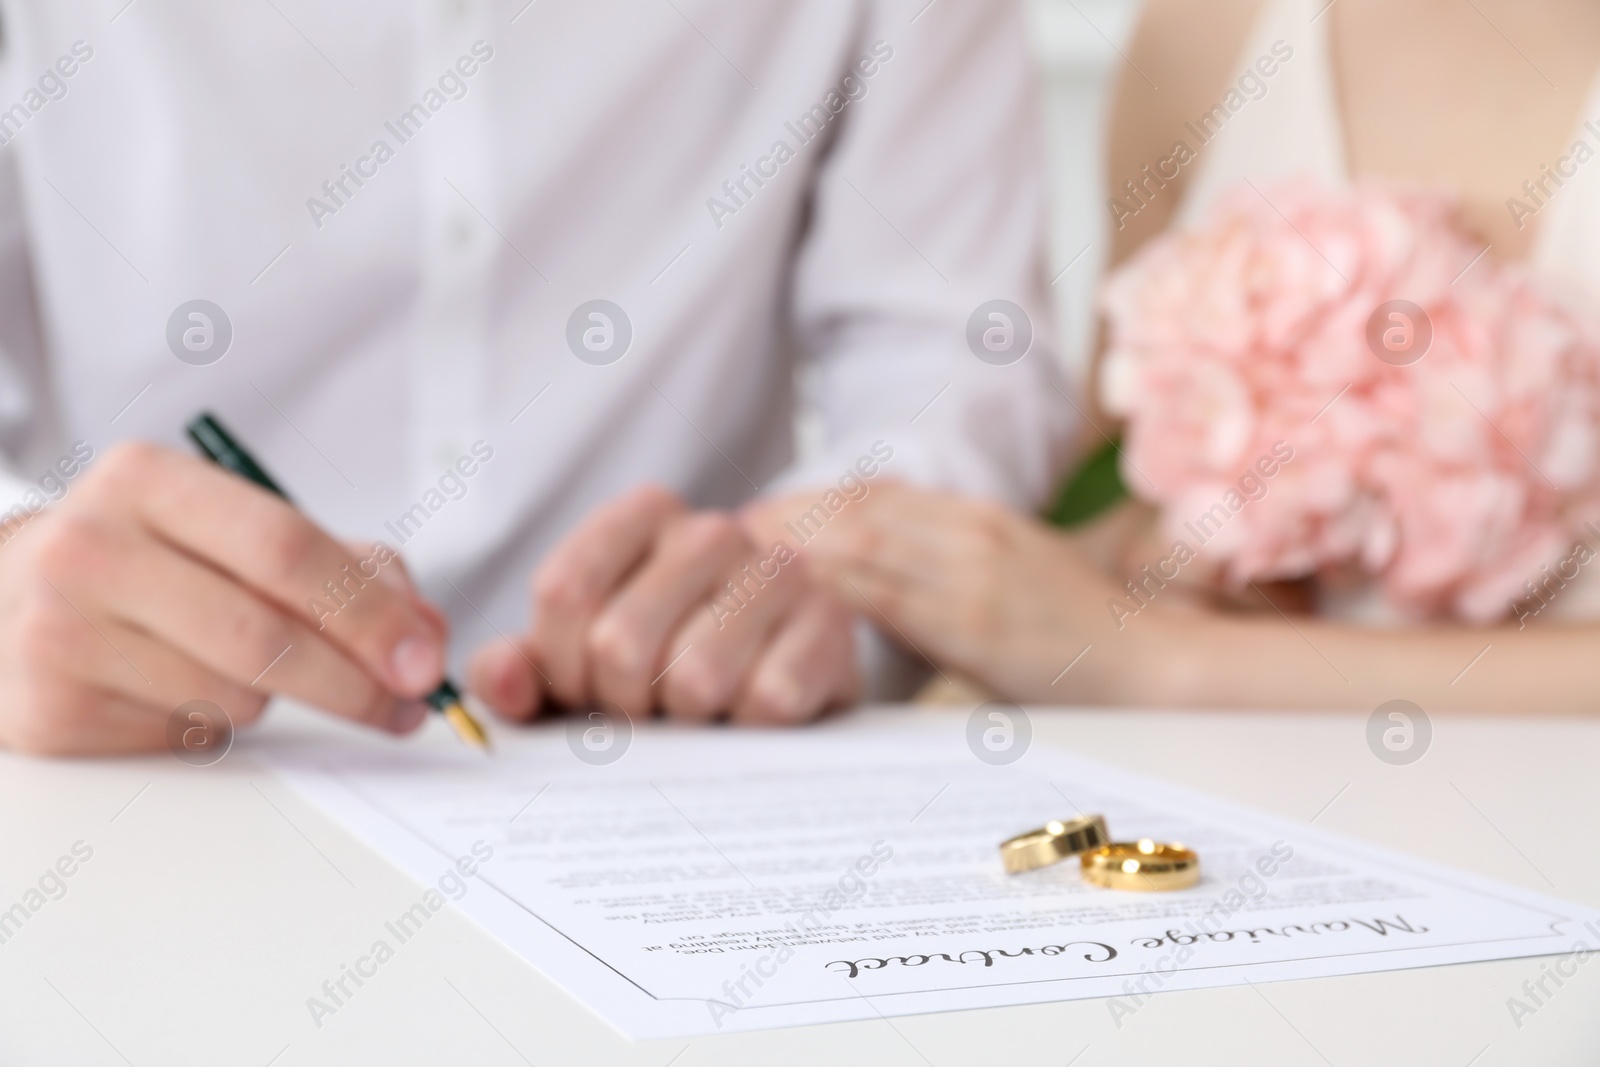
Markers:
point(715, 880)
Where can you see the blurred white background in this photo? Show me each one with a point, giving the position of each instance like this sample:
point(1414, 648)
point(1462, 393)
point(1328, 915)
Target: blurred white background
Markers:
point(1077, 43)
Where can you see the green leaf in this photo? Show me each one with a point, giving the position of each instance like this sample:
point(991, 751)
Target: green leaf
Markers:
point(1094, 488)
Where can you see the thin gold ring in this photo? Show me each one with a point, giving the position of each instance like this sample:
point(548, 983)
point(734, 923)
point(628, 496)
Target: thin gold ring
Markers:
point(1054, 843)
point(1142, 865)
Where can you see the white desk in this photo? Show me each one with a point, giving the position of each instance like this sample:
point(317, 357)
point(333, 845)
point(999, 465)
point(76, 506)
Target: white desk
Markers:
point(216, 902)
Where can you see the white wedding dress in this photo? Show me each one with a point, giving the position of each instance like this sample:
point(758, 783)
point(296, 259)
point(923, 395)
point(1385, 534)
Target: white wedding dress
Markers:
point(1295, 129)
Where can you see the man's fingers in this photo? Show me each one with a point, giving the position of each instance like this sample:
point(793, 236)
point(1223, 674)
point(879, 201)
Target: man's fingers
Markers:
point(223, 626)
point(397, 576)
point(266, 544)
point(627, 646)
point(580, 574)
point(503, 675)
point(135, 665)
point(809, 666)
point(394, 573)
point(723, 640)
point(636, 609)
point(58, 641)
point(71, 719)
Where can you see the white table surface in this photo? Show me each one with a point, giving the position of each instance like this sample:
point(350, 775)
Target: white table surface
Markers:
point(217, 901)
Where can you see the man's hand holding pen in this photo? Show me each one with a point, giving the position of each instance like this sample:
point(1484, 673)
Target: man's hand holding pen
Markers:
point(162, 579)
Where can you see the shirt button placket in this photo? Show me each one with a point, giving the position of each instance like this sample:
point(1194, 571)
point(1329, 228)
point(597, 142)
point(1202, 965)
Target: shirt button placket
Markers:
point(450, 357)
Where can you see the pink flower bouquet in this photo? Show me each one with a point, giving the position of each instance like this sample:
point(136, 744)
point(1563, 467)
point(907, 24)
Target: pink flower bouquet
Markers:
point(1441, 409)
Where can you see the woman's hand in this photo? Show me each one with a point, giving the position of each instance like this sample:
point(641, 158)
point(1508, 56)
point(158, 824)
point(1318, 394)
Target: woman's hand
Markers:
point(996, 596)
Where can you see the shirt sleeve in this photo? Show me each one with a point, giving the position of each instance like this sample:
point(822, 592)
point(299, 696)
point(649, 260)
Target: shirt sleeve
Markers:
point(928, 210)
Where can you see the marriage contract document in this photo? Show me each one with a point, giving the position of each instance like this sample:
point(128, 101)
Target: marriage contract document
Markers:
point(709, 880)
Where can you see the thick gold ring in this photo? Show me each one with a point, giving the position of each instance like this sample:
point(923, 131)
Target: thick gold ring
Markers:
point(1143, 865)
point(1054, 843)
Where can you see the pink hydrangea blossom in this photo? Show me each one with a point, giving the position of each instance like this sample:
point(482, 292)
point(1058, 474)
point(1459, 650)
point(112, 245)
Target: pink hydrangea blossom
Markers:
point(1448, 480)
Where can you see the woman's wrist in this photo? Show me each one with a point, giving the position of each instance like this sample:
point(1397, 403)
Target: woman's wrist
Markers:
point(1151, 661)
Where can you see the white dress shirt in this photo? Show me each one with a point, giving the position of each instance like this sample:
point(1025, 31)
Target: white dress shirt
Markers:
point(390, 308)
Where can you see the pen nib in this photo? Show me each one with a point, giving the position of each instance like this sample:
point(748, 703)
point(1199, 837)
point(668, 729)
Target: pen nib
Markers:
point(466, 727)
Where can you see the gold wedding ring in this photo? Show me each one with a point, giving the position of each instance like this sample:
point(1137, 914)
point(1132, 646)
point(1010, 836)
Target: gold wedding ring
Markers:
point(1054, 843)
point(1143, 865)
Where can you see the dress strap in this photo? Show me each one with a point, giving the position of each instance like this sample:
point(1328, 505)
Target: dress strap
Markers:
point(1279, 114)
